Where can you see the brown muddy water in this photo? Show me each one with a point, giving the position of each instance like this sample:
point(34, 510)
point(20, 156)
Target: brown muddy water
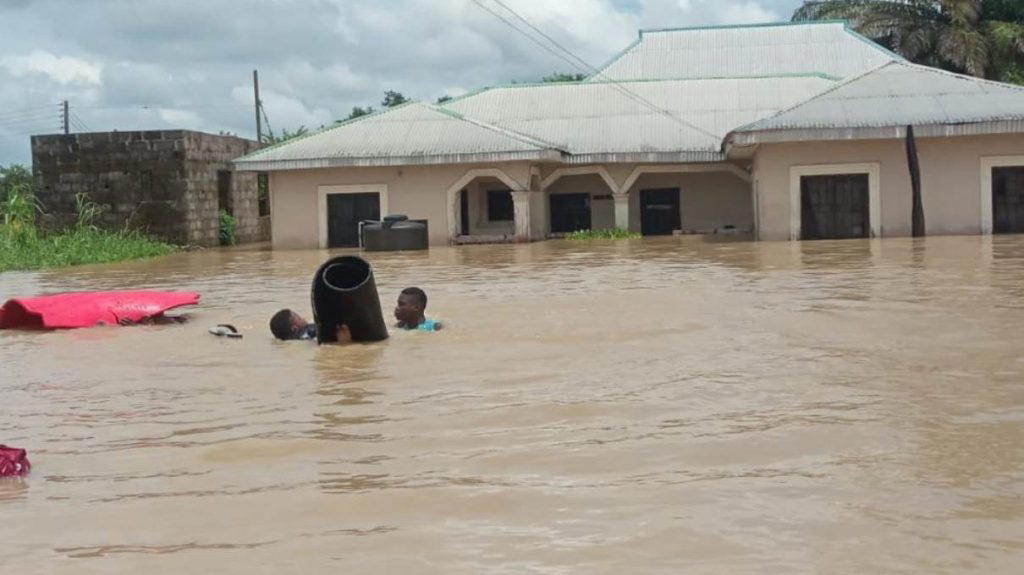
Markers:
point(655, 406)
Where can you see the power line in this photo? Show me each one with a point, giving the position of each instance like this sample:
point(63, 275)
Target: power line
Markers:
point(78, 123)
point(83, 127)
point(266, 120)
point(579, 62)
point(529, 37)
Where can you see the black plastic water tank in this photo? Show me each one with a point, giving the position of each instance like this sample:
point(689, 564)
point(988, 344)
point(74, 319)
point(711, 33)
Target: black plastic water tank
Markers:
point(396, 232)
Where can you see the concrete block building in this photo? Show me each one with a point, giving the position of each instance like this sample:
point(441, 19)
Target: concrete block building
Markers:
point(781, 131)
point(170, 183)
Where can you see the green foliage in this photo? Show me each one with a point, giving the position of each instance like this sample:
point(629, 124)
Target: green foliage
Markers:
point(610, 234)
point(270, 138)
point(19, 209)
point(563, 77)
point(87, 211)
point(984, 38)
point(24, 247)
point(392, 99)
point(358, 111)
point(14, 175)
point(228, 225)
point(74, 247)
point(443, 99)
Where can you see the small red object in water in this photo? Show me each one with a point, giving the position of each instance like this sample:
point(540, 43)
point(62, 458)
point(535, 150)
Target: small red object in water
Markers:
point(13, 462)
point(86, 309)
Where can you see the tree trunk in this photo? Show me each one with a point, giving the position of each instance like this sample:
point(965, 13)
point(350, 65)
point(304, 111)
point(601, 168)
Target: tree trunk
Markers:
point(917, 213)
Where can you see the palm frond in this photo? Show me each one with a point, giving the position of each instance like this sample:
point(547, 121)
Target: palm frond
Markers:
point(967, 48)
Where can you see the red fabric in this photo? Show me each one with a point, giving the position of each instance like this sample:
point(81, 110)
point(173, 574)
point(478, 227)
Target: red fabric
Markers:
point(86, 309)
point(13, 461)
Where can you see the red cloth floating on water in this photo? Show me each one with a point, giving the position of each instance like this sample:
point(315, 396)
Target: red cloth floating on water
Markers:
point(86, 309)
point(13, 461)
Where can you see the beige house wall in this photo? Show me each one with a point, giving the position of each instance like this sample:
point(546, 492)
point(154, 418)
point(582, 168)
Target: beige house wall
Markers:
point(951, 180)
point(479, 224)
point(708, 201)
point(602, 212)
point(951, 171)
point(419, 192)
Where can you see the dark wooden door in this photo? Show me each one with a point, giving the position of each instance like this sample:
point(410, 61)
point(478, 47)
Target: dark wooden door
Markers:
point(659, 212)
point(834, 207)
point(1008, 200)
point(569, 212)
point(344, 212)
point(464, 212)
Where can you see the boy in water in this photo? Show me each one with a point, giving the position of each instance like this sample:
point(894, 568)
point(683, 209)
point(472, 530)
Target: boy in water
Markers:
point(412, 302)
point(287, 324)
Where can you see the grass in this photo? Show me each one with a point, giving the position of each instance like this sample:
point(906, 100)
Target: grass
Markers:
point(24, 247)
point(612, 234)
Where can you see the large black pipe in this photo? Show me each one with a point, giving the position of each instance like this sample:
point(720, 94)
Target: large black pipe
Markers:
point(344, 293)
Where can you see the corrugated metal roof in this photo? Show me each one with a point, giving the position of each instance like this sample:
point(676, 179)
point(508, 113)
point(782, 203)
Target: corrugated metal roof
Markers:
point(894, 95)
point(829, 48)
point(410, 134)
point(597, 121)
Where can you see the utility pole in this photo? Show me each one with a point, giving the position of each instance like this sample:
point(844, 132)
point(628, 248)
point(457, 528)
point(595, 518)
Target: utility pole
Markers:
point(65, 117)
point(256, 94)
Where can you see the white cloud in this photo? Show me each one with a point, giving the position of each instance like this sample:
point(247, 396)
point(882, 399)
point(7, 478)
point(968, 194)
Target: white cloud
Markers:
point(182, 118)
point(165, 65)
point(748, 13)
point(677, 13)
point(60, 69)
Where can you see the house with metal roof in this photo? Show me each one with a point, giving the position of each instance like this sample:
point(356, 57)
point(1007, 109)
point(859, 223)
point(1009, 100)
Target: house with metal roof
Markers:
point(785, 131)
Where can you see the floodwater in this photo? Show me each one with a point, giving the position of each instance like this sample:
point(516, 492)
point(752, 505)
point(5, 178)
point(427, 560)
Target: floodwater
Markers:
point(655, 406)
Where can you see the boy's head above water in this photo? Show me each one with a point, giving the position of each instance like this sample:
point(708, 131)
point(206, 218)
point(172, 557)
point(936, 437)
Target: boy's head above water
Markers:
point(287, 324)
point(412, 302)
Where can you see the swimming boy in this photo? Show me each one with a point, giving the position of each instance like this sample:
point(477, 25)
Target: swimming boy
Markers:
point(409, 312)
point(287, 324)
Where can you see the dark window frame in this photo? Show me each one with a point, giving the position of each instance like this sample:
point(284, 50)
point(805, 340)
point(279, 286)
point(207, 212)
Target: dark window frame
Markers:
point(500, 207)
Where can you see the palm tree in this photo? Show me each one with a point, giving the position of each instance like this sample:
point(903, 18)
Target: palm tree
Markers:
point(984, 38)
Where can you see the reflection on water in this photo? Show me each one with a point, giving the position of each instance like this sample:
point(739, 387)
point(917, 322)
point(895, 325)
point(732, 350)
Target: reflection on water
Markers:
point(666, 405)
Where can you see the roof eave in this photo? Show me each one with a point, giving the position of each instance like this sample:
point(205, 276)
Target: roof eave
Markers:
point(257, 165)
point(982, 128)
point(680, 157)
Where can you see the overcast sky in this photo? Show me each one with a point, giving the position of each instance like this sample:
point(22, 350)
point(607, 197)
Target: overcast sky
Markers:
point(161, 64)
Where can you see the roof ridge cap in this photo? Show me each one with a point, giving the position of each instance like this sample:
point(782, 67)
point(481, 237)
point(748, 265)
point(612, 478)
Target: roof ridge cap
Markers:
point(779, 24)
point(325, 129)
point(515, 135)
point(802, 103)
point(960, 76)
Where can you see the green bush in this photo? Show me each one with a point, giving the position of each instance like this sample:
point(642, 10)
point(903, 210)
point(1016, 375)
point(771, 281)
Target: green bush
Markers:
point(228, 225)
point(13, 176)
point(611, 234)
point(24, 247)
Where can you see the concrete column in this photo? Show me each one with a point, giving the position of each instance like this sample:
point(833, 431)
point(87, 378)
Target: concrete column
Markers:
point(621, 211)
point(521, 206)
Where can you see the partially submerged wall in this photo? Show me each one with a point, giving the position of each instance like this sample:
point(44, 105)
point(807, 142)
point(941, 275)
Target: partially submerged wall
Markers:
point(164, 182)
point(951, 175)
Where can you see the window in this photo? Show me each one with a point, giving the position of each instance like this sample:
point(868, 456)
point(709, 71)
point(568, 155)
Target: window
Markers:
point(834, 206)
point(263, 193)
point(499, 206)
point(1008, 200)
